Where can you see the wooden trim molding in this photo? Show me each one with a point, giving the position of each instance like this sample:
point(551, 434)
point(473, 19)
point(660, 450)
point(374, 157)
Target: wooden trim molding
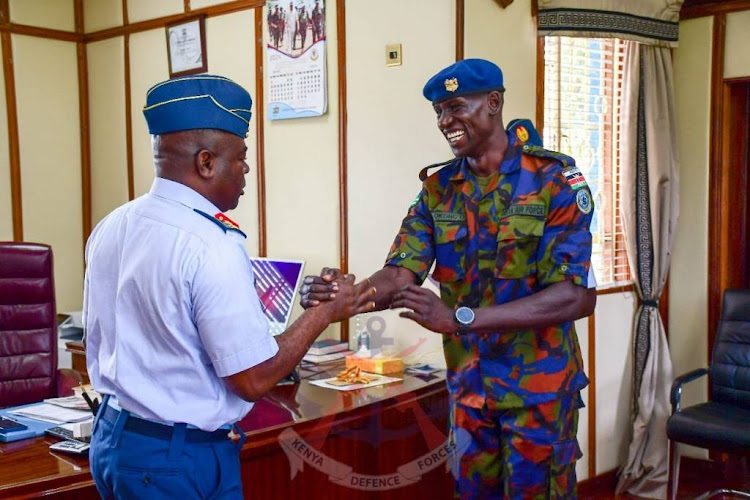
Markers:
point(343, 149)
point(160, 22)
point(260, 154)
point(615, 289)
point(719, 7)
point(592, 396)
point(85, 124)
point(14, 151)
point(460, 23)
point(187, 6)
point(715, 177)
point(23, 29)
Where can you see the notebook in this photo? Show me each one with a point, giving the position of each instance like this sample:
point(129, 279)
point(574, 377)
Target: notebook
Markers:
point(277, 282)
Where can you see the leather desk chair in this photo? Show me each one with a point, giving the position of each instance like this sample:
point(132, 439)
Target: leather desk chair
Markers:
point(722, 424)
point(28, 327)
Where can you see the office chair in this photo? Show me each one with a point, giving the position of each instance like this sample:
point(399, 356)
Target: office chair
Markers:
point(723, 423)
point(28, 327)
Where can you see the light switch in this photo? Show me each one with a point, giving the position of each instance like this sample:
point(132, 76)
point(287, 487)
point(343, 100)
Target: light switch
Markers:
point(393, 54)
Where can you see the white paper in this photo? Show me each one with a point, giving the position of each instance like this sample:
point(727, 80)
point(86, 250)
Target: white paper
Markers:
point(52, 413)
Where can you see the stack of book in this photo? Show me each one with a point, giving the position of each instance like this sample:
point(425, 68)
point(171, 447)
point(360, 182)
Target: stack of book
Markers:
point(324, 351)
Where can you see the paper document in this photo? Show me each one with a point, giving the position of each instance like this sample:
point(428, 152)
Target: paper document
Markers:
point(52, 413)
point(73, 402)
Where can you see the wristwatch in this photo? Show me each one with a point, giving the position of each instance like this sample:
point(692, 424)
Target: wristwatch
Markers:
point(464, 316)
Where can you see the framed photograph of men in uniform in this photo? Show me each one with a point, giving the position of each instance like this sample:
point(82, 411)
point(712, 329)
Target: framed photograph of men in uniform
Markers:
point(186, 47)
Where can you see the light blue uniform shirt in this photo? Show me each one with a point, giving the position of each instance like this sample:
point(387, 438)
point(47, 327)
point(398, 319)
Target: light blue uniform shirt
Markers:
point(170, 307)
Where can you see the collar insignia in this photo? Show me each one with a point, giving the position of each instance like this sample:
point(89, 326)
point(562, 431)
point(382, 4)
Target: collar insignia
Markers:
point(229, 223)
point(451, 84)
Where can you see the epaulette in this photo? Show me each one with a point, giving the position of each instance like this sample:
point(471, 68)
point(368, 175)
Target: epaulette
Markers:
point(525, 132)
point(225, 223)
point(423, 172)
point(540, 152)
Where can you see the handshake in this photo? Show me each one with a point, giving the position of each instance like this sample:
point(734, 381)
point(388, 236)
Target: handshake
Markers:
point(338, 294)
point(396, 289)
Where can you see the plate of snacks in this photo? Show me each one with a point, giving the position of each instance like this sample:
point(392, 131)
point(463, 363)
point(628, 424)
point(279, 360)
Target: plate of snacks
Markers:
point(353, 378)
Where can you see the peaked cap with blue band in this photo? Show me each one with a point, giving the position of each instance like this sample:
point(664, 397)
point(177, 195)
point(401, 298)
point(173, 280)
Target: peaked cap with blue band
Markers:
point(198, 102)
point(465, 77)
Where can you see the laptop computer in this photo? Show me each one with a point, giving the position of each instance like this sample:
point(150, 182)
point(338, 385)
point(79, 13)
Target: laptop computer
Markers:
point(277, 282)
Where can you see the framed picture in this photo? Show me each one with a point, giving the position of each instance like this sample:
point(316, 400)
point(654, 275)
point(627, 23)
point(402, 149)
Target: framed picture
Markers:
point(186, 47)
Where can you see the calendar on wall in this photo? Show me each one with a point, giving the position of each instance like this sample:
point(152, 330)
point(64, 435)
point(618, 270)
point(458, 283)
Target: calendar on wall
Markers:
point(296, 81)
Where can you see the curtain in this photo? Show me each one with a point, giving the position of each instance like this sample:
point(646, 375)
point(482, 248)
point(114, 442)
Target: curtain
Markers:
point(652, 22)
point(650, 198)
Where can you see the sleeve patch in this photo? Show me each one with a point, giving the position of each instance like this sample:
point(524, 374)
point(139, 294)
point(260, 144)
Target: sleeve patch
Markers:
point(574, 177)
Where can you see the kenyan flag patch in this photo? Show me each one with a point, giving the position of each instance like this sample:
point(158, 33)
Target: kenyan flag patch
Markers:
point(574, 177)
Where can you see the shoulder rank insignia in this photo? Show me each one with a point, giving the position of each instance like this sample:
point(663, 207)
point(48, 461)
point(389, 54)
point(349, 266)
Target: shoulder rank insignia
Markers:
point(224, 222)
point(540, 152)
point(423, 173)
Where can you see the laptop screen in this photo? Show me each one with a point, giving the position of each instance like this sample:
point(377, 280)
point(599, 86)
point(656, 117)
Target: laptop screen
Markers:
point(277, 281)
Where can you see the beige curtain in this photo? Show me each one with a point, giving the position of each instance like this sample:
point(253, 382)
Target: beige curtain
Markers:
point(649, 192)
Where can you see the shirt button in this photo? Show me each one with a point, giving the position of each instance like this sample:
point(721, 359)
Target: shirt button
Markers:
point(525, 147)
point(403, 255)
point(564, 267)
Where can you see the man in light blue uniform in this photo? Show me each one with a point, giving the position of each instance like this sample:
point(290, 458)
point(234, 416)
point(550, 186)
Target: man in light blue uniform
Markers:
point(175, 336)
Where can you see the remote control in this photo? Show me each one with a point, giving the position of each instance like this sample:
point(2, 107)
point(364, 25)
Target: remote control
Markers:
point(76, 447)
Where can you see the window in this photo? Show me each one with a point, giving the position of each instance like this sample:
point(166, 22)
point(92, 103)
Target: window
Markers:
point(582, 100)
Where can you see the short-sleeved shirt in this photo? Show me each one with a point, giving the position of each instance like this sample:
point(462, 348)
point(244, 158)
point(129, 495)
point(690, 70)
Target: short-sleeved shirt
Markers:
point(170, 308)
point(527, 228)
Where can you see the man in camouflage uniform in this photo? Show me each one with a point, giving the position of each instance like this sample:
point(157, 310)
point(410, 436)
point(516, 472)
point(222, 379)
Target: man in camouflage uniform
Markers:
point(507, 225)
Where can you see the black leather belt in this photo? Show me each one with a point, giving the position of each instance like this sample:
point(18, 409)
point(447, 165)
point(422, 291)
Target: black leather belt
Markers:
point(161, 431)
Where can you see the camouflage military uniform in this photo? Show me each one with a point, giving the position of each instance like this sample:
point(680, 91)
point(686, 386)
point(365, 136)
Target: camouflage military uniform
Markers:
point(525, 230)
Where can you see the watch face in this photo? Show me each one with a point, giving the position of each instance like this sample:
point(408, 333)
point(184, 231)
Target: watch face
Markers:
point(464, 315)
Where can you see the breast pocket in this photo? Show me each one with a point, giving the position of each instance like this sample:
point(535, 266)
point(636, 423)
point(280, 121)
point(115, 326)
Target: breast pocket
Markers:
point(517, 244)
point(450, 252)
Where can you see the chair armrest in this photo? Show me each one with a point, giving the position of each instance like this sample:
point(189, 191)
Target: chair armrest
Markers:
point(676, 392)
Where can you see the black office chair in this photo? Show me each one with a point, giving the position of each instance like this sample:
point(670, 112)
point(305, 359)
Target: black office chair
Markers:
point(722, 424)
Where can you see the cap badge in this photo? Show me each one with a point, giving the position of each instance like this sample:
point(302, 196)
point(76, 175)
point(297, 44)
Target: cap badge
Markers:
point(522, 134)
point(451, 84)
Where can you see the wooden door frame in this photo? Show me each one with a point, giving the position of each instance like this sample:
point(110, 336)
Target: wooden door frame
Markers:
point(724, 201)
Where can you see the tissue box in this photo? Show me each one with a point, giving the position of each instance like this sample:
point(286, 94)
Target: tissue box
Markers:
point(381, 366)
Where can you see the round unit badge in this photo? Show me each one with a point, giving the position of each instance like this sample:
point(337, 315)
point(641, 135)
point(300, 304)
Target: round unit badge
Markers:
point(583, 200)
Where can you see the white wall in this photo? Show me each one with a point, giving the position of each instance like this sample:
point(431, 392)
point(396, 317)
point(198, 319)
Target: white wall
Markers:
point(231, 48)
point(101, 14)
point(49, 142)
point(392, 136)
point(688, 281)
point(736, 53)
point(507, 37)
point(55, 14)
point(109, 174)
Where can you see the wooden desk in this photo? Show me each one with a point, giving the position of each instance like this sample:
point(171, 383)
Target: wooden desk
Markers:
point(367, 443)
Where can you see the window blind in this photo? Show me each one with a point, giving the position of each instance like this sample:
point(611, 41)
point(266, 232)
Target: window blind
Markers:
point(582, 104)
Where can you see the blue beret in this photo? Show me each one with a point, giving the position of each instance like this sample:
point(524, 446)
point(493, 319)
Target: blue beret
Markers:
point(198, 102)
point(468, 76)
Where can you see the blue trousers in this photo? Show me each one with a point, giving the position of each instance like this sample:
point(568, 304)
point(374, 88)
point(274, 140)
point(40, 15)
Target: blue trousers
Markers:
point(126, 463)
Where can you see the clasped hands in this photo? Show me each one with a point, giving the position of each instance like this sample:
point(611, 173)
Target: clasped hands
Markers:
point(422, 305)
